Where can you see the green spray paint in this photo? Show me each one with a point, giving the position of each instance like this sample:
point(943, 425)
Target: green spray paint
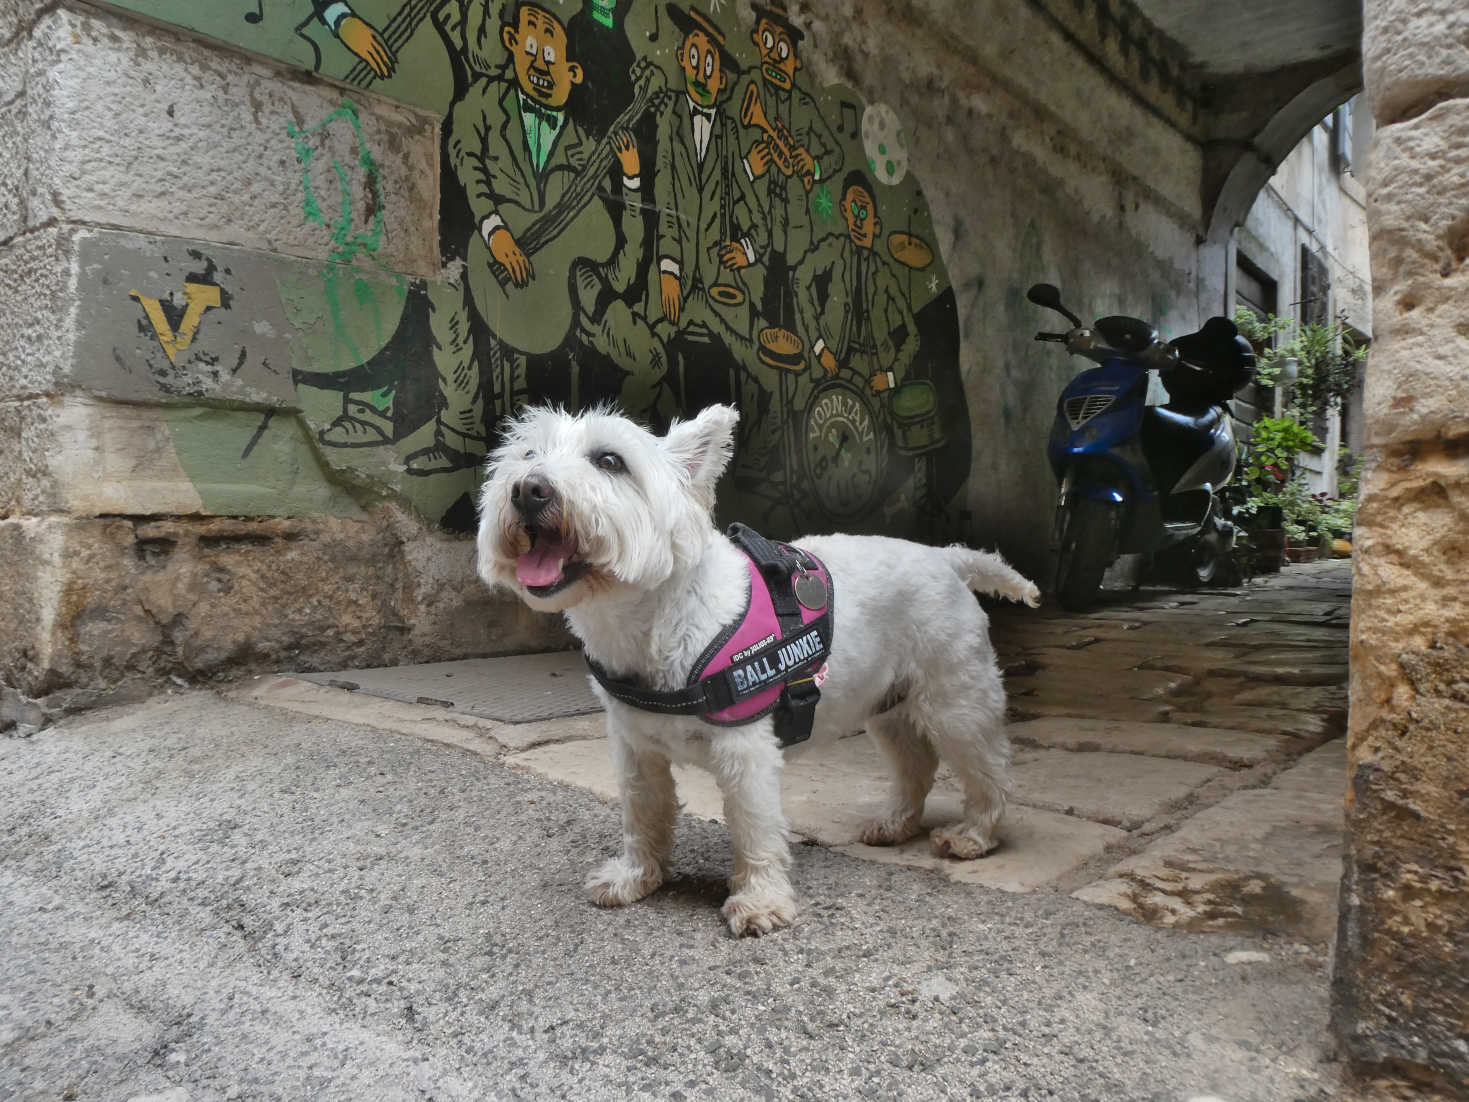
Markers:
point(348, 244)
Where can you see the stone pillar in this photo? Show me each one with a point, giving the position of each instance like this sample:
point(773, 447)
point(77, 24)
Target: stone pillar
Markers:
point(1400, 992)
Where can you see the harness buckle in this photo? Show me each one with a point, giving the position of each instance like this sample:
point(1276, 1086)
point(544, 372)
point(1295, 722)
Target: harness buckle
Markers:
point(796, 713)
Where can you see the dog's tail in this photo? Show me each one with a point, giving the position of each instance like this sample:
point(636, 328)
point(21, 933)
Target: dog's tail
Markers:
point(987, 572)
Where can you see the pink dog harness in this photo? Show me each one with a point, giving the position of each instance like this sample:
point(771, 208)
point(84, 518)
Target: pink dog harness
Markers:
point(771, 659)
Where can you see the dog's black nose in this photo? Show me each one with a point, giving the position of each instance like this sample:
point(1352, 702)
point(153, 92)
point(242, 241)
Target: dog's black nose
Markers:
point(531, 495)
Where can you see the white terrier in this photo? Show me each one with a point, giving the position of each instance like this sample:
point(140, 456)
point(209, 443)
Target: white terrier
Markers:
point(594, 516)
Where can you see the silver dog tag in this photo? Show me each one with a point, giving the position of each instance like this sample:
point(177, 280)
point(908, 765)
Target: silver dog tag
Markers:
point(811, 592)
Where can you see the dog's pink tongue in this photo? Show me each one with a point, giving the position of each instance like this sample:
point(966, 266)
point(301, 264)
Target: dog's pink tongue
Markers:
point(542, 564)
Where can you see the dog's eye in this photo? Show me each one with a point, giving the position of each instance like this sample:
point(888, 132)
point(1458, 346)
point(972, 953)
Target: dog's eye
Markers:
point(529, 454)
point(610, 461)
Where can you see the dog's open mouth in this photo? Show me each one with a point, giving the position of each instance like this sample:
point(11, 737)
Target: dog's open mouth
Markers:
point(550, 565)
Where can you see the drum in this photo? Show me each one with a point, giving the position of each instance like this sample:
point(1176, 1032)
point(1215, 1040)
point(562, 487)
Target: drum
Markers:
point(915, 416)
point(843, 450)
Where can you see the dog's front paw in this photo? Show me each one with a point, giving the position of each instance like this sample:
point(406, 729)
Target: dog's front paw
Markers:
point(752, 913)
point(618, 882)
point(962, 841)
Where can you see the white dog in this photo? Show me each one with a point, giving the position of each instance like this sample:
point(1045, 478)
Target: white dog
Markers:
point(596, 517)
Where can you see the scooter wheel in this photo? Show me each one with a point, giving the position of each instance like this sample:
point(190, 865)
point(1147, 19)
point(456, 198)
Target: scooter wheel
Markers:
point(1087, 547)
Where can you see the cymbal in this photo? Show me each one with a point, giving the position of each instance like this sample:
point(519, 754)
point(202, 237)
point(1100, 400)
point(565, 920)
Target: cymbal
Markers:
point(781, 348)
point(910, 250)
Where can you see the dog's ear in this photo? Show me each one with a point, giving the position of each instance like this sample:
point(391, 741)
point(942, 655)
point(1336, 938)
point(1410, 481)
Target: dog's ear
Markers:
point(703, 447)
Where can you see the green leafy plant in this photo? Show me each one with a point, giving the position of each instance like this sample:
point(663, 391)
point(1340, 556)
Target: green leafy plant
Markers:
point(1261, 333)
point(1326, 358)
point(1269, 460)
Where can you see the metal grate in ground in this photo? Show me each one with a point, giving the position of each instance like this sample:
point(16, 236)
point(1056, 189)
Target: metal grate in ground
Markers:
point(520, 688)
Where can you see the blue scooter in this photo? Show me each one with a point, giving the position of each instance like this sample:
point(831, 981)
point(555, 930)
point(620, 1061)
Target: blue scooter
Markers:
point(1142, 445)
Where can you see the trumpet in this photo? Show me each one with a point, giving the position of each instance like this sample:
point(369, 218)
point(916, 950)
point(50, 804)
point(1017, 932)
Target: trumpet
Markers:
point(782, 143)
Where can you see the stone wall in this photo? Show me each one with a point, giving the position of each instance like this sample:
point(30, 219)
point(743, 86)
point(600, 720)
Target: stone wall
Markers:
point(1401, 981)
point(214, 261)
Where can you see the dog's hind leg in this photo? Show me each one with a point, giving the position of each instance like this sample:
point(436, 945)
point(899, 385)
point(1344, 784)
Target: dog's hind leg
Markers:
point(746, 763)
point(967, 726)
point(649, 808)
point(913, 761)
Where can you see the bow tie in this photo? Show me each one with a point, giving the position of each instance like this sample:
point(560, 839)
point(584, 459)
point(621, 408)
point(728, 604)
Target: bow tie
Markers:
point(702, 112)
point(544, 115)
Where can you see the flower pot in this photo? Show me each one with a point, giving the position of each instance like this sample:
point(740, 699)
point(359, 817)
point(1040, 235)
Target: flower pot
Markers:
point(1303, 552)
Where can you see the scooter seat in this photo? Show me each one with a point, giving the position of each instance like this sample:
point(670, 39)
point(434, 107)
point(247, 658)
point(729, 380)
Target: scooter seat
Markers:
point(1189, 423)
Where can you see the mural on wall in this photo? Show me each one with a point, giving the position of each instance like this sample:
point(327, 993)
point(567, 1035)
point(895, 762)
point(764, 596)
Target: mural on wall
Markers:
point(641, 202)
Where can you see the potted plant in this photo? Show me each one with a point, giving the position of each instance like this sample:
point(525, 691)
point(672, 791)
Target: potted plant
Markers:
point(1268, 488)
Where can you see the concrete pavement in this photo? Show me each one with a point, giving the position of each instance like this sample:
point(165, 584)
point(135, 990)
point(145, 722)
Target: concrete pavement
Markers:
point(1178, 756)
point(305, 891)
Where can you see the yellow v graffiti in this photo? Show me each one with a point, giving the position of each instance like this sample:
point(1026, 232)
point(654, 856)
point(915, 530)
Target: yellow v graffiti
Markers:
point(198, 297)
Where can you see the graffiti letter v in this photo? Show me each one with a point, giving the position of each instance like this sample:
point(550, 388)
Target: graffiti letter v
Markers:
point(199, 297)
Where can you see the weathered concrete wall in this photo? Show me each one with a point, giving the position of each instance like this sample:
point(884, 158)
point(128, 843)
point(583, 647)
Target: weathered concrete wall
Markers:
point(1040, 165)
point(234, 290)
point(1401, 984)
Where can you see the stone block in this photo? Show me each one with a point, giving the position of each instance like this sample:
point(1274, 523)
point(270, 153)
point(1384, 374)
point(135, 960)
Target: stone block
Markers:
point(587, 764)
point(480, 736)
point(1023, 707)
point(1420, 267)
point(1089, 682)
point(1206, 745)
point(1322, 773)
point(1264, 859)
point(89, 458)
point(1413, 51)
point(1036, 847)
point(1121, 790)
point(12, 455)
point(37, 310)
point(93, 603)
point(832, 789)
point(1280, 719)
point(13, 155)
point(221, 148)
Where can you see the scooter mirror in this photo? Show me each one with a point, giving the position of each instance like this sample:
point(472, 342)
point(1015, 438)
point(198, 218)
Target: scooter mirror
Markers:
point(1046, 294)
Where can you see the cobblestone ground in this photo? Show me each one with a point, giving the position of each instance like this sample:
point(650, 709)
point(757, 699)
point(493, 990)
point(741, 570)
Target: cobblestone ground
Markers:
point(1178, 756)
point(1251, 681)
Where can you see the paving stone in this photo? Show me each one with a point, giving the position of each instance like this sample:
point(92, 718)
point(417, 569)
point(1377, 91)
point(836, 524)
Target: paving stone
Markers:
point(1304, 669)
point(523, 736)
point(483, 736)
point(520, 688)
point(1025, 703)
point(1322, 772)
point(1121, 790)
point(1036, 847)
point(1306, 698)
point(1209, 745)
point(1266, 720)
point(1090, 684)
point(587, 764)
point(831, 790)
point(1157, 653)
point(1262, 859)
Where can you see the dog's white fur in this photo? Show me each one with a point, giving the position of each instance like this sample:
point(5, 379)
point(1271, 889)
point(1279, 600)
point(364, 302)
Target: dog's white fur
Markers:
point(911, 658)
